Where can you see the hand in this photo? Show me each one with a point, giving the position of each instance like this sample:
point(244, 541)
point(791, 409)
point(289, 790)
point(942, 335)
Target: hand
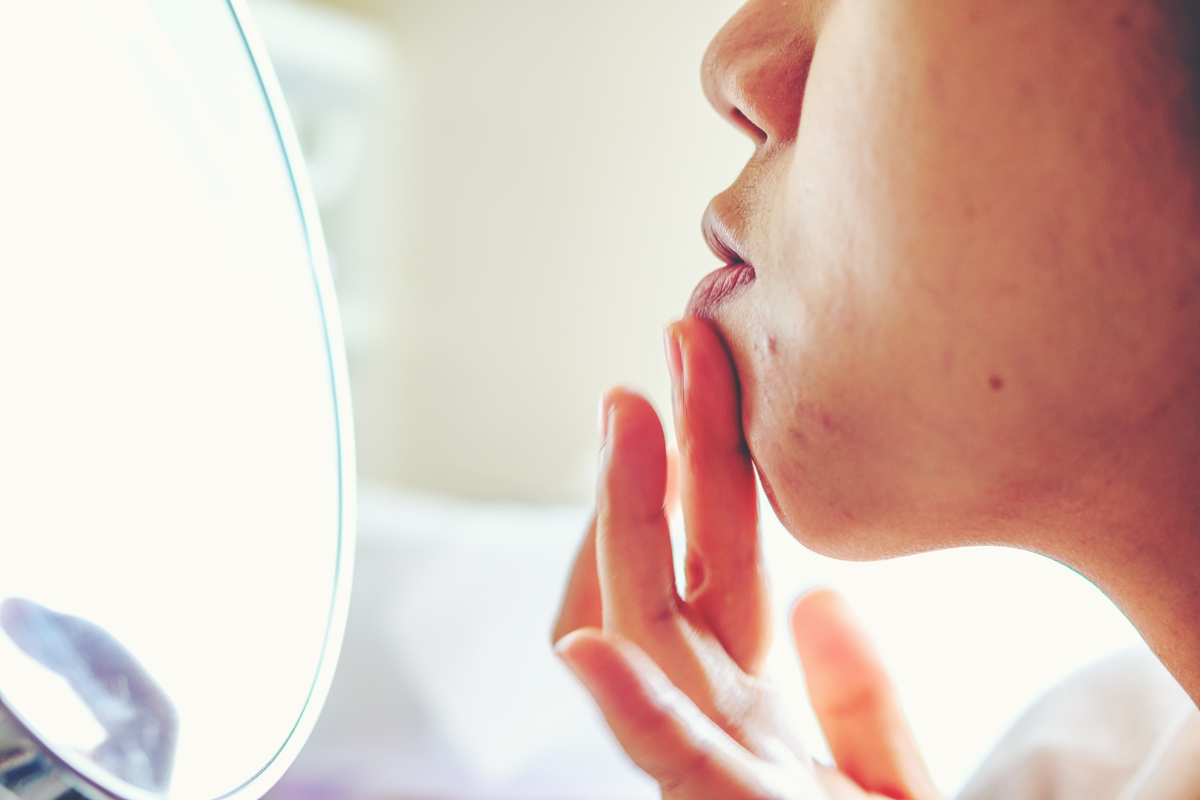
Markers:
point(679, 680)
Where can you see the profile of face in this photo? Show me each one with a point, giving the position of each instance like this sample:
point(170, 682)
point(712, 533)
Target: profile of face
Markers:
point(964, 263)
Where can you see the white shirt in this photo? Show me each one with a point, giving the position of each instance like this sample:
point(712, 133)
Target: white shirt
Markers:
point(1122, 729)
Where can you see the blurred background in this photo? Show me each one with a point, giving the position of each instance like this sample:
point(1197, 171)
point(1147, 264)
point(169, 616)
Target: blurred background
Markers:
point(511, 192)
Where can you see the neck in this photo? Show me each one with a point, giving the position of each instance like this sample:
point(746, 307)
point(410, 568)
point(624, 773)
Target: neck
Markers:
point(1140, 545)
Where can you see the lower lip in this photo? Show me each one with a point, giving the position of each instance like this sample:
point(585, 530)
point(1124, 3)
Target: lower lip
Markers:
point(716, 287)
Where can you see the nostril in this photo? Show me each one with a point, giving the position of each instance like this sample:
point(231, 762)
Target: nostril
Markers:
point(746, 125)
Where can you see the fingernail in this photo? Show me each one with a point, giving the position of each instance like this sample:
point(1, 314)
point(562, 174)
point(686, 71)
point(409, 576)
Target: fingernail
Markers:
point(674, 347)
point(563, 644)
point(602, 420)
point(563, 648)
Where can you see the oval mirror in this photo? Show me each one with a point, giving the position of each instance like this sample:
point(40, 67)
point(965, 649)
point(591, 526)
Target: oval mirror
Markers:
point(175, 450)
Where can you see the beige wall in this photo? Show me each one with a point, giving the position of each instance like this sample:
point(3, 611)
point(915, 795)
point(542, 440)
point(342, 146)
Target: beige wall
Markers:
point(553, 159)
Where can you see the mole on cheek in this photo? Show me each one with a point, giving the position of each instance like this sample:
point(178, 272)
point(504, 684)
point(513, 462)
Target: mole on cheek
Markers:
point(996, 382)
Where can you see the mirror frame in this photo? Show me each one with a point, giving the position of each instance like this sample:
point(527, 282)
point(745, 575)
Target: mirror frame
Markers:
point(31, 769)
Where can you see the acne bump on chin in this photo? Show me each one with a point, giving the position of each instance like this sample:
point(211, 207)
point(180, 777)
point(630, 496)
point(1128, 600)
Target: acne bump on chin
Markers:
point(996, 382)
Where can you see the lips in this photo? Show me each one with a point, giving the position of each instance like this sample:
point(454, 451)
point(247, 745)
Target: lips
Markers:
point(724, 239)
point(716, 287)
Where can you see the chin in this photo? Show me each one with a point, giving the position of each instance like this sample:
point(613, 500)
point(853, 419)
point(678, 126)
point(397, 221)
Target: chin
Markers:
point(854, 524)
point(856, 519)
point(807, 512)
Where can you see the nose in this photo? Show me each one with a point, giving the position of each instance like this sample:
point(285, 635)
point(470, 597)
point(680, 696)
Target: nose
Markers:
point(755, 69)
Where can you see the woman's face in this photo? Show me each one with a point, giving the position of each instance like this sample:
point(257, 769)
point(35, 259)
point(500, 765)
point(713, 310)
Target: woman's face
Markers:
point(970, 227)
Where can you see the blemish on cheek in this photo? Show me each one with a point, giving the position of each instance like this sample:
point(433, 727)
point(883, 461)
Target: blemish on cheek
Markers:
point(996, 382)
point(766, 345)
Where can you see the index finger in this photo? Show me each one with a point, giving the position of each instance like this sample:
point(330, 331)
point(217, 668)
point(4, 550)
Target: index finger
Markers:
point(726, 583)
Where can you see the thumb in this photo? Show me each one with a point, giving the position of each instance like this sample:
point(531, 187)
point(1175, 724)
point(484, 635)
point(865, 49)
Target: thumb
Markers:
point(854, 700)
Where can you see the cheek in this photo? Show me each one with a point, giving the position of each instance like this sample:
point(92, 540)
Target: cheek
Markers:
point(873, 393)
point(802, 418)
point(933, 340)
point(867, 444)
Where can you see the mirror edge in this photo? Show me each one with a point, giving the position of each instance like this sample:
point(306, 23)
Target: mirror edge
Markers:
point(339, 375)
point(340, 379)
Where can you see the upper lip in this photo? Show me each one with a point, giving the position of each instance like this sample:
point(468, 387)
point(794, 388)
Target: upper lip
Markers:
point(737, 273)
point(722, 239)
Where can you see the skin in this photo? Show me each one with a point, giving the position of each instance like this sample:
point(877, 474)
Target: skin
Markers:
point(974, 231)
point(956, 312)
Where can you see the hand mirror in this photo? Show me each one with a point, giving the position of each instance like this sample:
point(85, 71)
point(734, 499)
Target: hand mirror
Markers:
point(176, 479)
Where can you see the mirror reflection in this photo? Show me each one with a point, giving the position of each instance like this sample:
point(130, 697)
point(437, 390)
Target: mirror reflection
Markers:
point(140, 722)
point(171, 473)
